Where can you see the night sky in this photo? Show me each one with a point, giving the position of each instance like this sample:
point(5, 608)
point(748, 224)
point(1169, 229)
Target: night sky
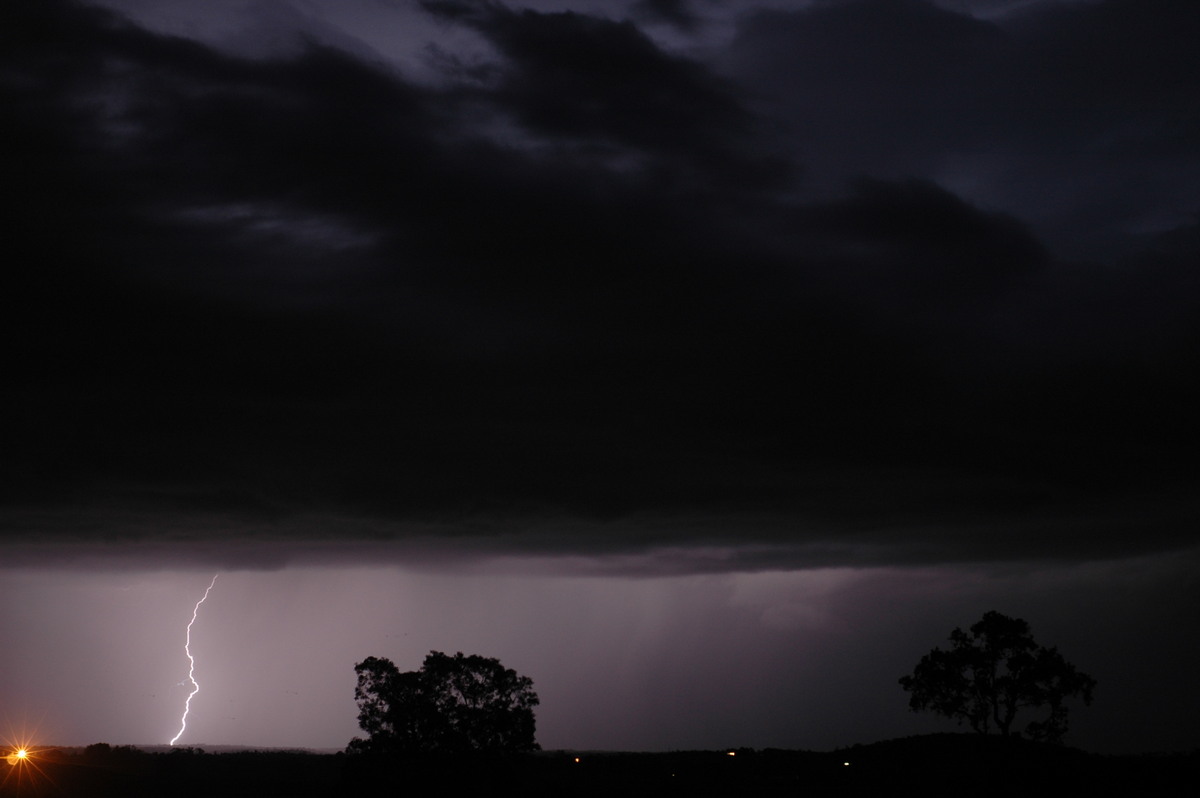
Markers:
point(706, 362)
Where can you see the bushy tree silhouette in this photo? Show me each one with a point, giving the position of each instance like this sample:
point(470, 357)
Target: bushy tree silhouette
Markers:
point(991, 672)
point(453, 704)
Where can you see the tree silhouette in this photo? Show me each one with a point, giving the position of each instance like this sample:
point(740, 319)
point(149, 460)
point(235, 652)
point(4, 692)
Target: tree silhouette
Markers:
point(451, 705)
point(993, 671)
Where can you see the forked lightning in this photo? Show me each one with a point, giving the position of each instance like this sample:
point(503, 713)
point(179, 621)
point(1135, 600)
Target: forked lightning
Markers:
point(187, 649)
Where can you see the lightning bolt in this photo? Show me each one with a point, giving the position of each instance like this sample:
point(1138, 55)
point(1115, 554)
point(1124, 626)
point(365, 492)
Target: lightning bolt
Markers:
point(187, 649)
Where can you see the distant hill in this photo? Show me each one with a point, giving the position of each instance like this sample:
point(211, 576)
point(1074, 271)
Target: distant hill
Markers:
point(163, 748)
point(974, 764)
point(927, 766)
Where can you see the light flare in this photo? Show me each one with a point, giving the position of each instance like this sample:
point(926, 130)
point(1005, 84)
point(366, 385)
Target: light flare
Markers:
point(187, 649)
point(23, 770)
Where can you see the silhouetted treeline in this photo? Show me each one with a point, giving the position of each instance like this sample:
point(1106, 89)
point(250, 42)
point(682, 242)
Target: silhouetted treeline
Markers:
point(933, 765)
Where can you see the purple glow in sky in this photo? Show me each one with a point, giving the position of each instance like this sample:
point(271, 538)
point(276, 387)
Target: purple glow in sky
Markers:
point(798, 658)
point(705, 362)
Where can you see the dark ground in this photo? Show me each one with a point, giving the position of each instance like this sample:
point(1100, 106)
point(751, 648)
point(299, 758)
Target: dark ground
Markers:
point(950, 764)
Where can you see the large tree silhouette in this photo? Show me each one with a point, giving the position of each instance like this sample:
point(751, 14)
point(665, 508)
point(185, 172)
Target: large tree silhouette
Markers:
point(991, 672)
point(453, 704)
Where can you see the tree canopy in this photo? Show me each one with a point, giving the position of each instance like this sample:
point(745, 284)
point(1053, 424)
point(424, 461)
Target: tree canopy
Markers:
point(453, 704)
point(993, 671)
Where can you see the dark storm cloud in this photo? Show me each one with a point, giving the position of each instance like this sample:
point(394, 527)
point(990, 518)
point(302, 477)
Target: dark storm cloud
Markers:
point(603, 90)
point(574, 299)
point(1076, 115)
point(673, 12)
